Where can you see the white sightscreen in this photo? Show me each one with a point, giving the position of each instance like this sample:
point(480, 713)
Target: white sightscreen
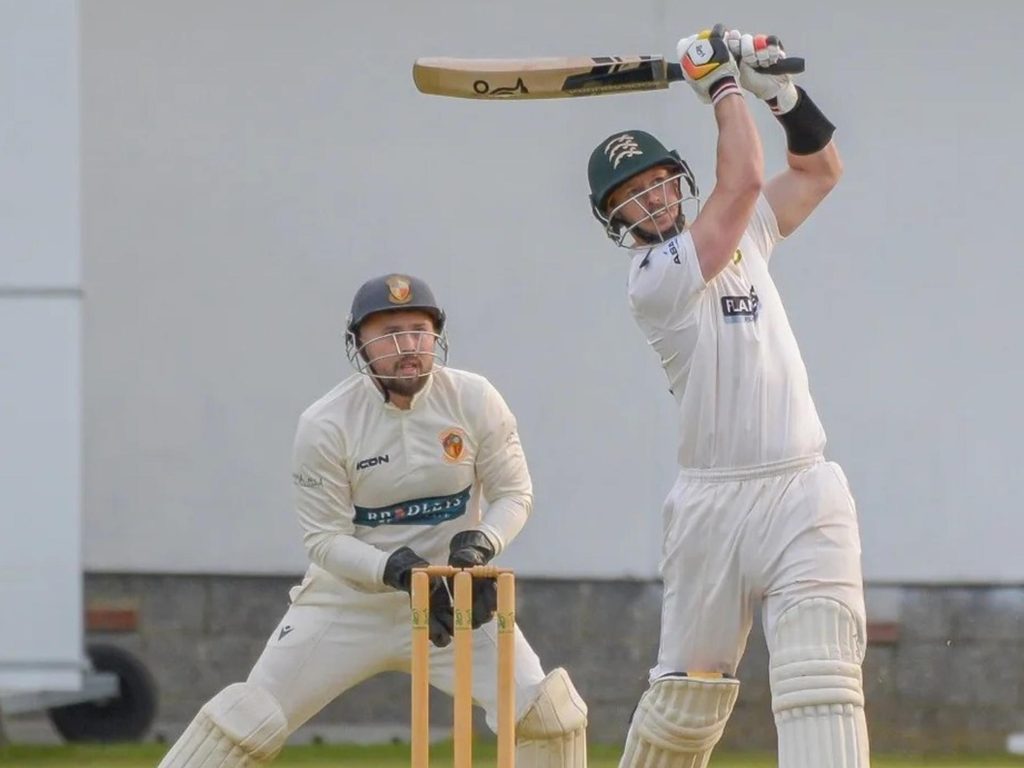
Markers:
point(40, 330)
point(247, 165)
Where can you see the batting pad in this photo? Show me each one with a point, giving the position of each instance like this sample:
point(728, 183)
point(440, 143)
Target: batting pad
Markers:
point(817, 694)
point(553, 731)
point(241, 727)
point(678, 722)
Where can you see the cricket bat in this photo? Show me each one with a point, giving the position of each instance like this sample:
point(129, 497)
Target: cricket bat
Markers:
point(554, 78)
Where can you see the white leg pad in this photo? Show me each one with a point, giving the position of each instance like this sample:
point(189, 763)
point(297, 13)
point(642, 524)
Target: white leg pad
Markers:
point(817, 695)
point(678, 722)
point(553, 731)
point(241, 727)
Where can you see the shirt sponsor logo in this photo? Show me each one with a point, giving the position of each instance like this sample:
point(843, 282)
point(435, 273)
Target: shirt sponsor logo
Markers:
point(305, 480)
point(741, 309)
point(453, 443)
point(373, 461)
point(429, 511)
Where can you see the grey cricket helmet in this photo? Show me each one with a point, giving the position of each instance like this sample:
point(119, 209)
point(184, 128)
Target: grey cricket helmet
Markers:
point(392, 292)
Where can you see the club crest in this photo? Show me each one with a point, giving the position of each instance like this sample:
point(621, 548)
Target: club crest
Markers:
point(399, 289)
point(453, 443)
point(620, 148)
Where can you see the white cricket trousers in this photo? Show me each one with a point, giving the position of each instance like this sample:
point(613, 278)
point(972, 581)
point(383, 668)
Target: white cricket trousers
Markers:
point(328, 643)
point(774, 535)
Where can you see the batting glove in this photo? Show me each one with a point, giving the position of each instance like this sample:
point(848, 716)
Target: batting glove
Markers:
point(755, 52)
point(708, 65)
point(469, 548)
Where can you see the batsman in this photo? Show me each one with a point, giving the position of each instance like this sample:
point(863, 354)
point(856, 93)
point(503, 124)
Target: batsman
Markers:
point(757, 516)
point(391, 468)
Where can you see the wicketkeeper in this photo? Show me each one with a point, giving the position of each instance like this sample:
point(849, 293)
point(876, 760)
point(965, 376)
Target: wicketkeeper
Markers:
point(389, 470)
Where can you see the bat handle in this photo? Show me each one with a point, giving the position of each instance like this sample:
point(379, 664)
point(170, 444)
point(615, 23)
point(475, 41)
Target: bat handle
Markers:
point(791, 65)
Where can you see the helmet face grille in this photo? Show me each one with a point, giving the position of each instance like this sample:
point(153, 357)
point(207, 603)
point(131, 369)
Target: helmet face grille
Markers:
point(357, 351)
point(621, 156)
point(645, 229)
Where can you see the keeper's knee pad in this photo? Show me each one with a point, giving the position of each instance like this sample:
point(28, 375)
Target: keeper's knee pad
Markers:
point(817, 694)
point(241, 727)
point(678, 721)
point(552, 733)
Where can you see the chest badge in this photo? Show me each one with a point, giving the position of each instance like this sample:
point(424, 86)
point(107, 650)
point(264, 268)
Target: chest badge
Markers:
point(453, 442)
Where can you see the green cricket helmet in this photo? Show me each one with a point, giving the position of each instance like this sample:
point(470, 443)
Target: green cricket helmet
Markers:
point(620, 157)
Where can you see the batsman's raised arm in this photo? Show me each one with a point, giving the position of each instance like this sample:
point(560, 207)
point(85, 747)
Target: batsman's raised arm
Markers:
point(739, 162)
point(814, 166)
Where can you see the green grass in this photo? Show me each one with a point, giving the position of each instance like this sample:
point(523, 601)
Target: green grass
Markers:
point(148, 755)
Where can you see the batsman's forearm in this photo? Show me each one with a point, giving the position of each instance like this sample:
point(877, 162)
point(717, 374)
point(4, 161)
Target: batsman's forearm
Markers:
point(346, 557)
point(824, 165)
point(740, 160)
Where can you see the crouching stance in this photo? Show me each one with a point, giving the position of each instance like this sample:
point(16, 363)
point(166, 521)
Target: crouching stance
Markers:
point(389, 470)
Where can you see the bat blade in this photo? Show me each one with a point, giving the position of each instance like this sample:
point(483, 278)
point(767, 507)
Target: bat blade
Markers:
point(555, 78)
point(539, 78)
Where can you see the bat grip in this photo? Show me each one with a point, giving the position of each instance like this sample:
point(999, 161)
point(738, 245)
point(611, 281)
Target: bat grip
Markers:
point(791, 65)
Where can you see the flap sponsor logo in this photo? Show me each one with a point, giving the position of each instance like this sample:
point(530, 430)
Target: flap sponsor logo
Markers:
point(741, 308)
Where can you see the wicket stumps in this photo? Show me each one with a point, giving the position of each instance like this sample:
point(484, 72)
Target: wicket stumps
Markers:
point(462, 734)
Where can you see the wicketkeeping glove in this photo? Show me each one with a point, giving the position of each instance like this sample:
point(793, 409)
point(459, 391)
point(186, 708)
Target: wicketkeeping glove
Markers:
point(754, 53)
point(708, 65)
point(398, 575)
point(469, 548)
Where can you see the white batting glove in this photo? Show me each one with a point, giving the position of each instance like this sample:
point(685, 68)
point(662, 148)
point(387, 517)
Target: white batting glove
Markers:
point(755, 52)
point(708, 66)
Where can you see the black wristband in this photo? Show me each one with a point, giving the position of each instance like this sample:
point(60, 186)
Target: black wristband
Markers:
point(807, 129)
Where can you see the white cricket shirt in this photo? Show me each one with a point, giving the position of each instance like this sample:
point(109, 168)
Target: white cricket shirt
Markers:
point(370, 478)
point(732, 361)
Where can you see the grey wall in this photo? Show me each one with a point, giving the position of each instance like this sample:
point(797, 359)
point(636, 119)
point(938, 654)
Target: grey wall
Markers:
point(40, 337)
point(246, 165)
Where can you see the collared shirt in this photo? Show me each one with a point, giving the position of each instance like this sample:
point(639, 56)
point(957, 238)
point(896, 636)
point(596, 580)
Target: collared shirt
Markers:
point(370, 478)
point(732, 361)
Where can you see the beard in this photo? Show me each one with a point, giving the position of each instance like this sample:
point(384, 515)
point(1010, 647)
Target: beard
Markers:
point(405, 382)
